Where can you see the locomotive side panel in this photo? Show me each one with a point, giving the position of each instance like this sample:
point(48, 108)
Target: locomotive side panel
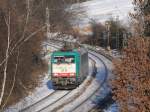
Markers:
point(83, 66)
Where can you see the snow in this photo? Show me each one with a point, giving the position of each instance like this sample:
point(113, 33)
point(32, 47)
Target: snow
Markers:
point(49, 100)
point(102, 10)
point(38, 94)
point(99, 95)
point(106, 89)
point(112, 108)
point(104, 7)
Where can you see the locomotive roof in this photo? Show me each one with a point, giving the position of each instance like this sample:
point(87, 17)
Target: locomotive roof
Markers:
point(79, 50)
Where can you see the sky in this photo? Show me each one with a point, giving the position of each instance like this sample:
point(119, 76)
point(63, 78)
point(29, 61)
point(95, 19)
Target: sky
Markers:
point(101, 10)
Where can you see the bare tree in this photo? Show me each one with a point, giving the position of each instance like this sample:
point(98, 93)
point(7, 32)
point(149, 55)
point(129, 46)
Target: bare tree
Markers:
point(7, 20)
point(97, 32)
point(13, 83)
point(23, 33)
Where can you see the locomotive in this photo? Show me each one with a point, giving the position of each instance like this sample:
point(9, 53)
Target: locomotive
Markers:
point(69, 68)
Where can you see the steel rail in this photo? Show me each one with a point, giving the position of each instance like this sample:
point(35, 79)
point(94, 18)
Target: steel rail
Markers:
point(39, 102)
point(106, 75)
point(110, 58)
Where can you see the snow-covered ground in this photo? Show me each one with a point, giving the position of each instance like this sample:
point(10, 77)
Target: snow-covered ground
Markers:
point(106, 89)
point(102, 10)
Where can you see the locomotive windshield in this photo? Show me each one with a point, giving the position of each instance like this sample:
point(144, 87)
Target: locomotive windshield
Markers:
point(64, 66)
point(64, 59)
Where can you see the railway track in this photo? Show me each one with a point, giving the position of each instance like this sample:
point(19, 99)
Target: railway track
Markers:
point(57, 95)
point(109, 58)
point(65, 100)
point(89, 98)
point(60, 107)
point(88, 101)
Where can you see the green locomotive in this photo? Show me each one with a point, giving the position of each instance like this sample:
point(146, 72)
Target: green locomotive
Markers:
point(69, 68)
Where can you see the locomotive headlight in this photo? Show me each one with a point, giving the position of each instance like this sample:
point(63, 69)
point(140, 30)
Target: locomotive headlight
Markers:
point(55, 74)
point(72, 74)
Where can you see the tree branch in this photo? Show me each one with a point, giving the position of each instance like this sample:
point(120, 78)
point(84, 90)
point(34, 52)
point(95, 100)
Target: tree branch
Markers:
point(13, 84)
point(6, 62)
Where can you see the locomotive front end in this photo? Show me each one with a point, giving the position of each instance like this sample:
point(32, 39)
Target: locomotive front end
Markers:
point(64, 70)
